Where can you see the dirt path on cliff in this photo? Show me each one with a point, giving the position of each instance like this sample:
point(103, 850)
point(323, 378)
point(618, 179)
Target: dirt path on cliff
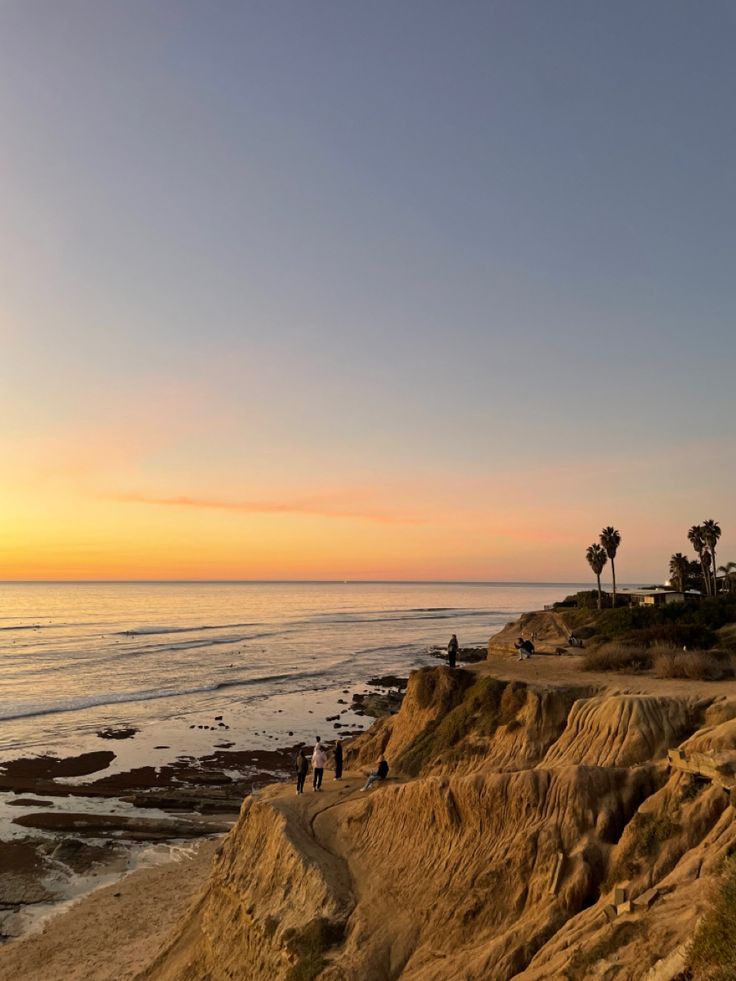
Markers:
point(305, 811)
point(115, 932)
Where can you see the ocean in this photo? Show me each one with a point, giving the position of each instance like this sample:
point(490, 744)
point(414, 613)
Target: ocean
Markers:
point(165, 657)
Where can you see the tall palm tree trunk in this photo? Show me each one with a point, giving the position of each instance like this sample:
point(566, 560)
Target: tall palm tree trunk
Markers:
point(600, 595)
point(715, 571)
point(706, 577)
point(613, 576)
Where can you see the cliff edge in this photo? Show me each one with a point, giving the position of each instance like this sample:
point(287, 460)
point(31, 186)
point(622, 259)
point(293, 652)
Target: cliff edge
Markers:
point(531, 828)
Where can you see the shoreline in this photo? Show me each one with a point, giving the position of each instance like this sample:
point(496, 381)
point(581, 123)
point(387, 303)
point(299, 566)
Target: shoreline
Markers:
point(128, 930)
point(138, 910)
point(74, 824)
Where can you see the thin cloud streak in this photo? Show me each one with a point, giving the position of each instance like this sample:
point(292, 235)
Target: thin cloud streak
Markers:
point(306, 507)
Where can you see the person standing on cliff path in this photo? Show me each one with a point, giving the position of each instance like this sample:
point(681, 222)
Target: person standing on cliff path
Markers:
point(302, 766)
point(452, 649)
point(338, 759)
point(319, 758)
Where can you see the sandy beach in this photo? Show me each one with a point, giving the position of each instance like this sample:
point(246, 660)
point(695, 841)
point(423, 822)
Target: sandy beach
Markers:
point(116, 930)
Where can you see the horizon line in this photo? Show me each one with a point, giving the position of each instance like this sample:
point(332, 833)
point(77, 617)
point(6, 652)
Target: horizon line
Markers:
point(311, 582)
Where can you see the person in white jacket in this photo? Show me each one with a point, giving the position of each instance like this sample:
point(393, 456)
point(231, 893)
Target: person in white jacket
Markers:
point(319, 759)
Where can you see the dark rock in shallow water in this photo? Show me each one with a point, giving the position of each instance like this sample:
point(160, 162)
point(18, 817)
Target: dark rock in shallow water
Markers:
point(28, 802)
point(215, 801)
point(472, 655)
point(377, 705)
point(127, 732)
point(80, 856)
point(21, 866)
point(468, 655)
point(200, 776)
point(389, 681)
point(132, 828)
point(22, 773)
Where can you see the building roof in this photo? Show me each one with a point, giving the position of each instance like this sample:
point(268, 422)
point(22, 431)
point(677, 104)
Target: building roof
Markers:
point(660, 591)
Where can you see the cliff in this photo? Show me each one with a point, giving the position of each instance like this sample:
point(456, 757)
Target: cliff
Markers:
point(514, 810)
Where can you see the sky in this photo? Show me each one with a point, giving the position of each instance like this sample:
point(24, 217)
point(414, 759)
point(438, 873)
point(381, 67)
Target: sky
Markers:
point(364, 290)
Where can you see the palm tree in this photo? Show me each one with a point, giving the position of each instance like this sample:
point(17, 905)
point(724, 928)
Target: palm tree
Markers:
point(707, 561)
point(597, 558)
point(697, 539)
point(610, 539)
point(679, 568)
point(711, 534)
point(695, 576)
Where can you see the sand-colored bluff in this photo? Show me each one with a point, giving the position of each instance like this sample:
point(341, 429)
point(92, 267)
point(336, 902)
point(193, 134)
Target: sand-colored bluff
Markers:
point(533, 829)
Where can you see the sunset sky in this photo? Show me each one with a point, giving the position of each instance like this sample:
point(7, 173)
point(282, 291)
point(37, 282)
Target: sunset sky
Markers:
point(364, 290)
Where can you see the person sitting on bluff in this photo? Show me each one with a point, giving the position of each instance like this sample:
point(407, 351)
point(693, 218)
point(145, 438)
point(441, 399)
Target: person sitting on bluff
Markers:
point(380, 774)
point(524, 647)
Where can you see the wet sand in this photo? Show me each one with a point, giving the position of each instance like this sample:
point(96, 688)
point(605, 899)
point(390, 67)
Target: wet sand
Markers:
point(137, 913)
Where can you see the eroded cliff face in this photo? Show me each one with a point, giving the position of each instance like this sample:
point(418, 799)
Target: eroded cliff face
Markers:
point(492, 853)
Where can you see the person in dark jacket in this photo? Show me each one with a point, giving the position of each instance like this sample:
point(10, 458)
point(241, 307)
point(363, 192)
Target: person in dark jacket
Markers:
point(452, 649)
point(380, 774)
point(525, 648)
point(338, 759)
point(302, 767)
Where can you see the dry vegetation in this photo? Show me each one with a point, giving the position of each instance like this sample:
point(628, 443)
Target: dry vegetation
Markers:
point(666, 660)
point(697, 665)
point(617, 657)
point(713, 951)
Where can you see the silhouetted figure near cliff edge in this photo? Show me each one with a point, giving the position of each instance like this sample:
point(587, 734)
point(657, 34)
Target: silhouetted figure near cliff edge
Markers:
point(452, 649)
point(302, 767)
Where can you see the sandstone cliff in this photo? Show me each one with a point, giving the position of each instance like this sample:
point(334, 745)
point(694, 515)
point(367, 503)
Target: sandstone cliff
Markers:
point(514, 810)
